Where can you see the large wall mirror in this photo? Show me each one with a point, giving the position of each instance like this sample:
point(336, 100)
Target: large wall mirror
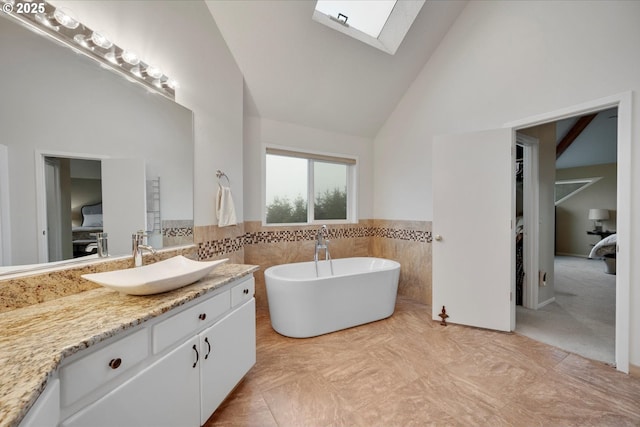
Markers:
point(115, 157)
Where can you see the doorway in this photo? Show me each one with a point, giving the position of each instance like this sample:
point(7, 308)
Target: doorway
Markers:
point(577, 308)
point(623, 176)
point(60, 198)
point(73, 191)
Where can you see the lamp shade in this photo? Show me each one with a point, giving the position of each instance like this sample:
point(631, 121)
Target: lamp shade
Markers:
point(598, 214)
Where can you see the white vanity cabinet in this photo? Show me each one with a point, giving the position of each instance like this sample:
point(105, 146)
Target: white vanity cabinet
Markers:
point(165, 394)
point(175, 370)
point(229, 351)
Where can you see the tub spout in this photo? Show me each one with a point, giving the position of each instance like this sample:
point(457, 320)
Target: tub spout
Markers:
point(322, 243)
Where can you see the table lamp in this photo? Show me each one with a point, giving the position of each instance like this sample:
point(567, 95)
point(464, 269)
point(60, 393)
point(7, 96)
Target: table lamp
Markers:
point(598, 215)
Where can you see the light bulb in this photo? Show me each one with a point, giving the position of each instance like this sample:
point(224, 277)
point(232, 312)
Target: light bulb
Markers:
point(173, 84)
point(154, 72)
point(66, 18)
point(101, 40)
point(130, 57)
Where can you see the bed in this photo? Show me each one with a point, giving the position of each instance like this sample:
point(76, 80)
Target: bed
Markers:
point(606, 249)
point(83, 241)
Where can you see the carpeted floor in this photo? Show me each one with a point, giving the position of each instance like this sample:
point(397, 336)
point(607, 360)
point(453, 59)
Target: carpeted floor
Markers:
point(582, 318)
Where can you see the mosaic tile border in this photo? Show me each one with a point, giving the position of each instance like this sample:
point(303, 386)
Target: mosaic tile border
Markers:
point(177, 231)
point(228, 245)
point(220, 247)
point(404, 234)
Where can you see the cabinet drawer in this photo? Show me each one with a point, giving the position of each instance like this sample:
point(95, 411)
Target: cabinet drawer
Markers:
point(243, 292)
point(88, 373)
point(189, 321)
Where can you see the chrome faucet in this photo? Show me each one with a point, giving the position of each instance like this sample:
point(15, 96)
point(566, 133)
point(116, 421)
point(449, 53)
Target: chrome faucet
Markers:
point(102, 244)
point(137, 240)
point(322, 243)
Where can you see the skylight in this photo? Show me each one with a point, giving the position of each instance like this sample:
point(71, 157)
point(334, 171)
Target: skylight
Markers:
point(382, 24)
point(366, 16)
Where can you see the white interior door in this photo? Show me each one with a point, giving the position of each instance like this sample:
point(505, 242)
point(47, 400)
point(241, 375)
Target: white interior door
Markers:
point(474, 241)
point(123, 202)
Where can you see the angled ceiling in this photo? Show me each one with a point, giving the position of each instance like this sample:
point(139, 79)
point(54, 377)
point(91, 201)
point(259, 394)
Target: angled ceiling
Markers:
point(299, 71)
point(596, 144)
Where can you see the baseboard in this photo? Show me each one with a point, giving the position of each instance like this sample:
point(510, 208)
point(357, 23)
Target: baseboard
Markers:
point(634, 370)
point(549, 301)
point(576, 255)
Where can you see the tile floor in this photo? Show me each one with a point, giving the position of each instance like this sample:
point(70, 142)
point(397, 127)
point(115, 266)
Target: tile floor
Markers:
point(410, 371)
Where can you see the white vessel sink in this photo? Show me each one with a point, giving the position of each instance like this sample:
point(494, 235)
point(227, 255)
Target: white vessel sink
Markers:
point(162, 276)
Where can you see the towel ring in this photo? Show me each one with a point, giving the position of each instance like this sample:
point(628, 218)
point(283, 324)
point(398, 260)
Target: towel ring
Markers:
point(221, 175)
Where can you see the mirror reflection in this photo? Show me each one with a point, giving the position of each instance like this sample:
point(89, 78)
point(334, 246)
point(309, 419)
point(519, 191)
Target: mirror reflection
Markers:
point(74, 207)
point(111, 145)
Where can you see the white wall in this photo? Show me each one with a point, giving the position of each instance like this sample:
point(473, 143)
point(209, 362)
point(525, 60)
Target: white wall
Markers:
point(502, 62)
point(182, 39)
point(259, 131)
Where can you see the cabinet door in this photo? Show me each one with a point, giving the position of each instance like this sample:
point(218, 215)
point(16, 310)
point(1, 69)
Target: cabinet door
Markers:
point(228, 352)
point(165, 394)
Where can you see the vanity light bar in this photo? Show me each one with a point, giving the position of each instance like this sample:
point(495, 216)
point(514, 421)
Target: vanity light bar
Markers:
point(61, 25)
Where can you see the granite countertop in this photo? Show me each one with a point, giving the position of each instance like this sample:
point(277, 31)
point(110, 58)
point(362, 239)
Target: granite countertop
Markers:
point(35, 339)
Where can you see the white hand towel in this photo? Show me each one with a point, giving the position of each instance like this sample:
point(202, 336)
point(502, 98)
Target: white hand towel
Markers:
point(225, 210)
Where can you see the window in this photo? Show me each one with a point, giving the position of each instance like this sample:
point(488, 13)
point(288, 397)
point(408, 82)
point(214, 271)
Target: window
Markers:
point(382, 24)
point(306, 188)
point(368, 17)
point(568, 188)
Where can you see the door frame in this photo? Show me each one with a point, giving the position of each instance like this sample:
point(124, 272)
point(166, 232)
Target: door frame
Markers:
point(531, 214)
point(624, 102)
point(53, 206)
point(5, 224)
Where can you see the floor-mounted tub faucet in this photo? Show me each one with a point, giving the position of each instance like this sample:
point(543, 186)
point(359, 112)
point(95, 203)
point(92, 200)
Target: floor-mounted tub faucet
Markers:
point(137, 242)
point(322, 243)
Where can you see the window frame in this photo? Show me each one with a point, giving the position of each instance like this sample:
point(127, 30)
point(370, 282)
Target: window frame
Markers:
point(586, 181)
point(349, 160)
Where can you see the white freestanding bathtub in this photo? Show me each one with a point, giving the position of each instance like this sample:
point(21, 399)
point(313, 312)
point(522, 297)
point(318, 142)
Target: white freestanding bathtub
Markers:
point(302, 305)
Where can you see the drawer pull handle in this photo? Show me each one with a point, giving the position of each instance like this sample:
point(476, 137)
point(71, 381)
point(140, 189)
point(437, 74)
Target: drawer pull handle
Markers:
point(202, 316)
point(206, 339)
point(197, 355)
point(246, 291)
point(115, 363)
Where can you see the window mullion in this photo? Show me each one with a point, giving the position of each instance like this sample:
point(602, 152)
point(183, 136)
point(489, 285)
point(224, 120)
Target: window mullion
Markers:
point(349, 191)
point(310, 193)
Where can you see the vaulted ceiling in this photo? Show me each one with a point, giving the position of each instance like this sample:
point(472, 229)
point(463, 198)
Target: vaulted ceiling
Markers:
point(297, 70)
point(593, 145)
